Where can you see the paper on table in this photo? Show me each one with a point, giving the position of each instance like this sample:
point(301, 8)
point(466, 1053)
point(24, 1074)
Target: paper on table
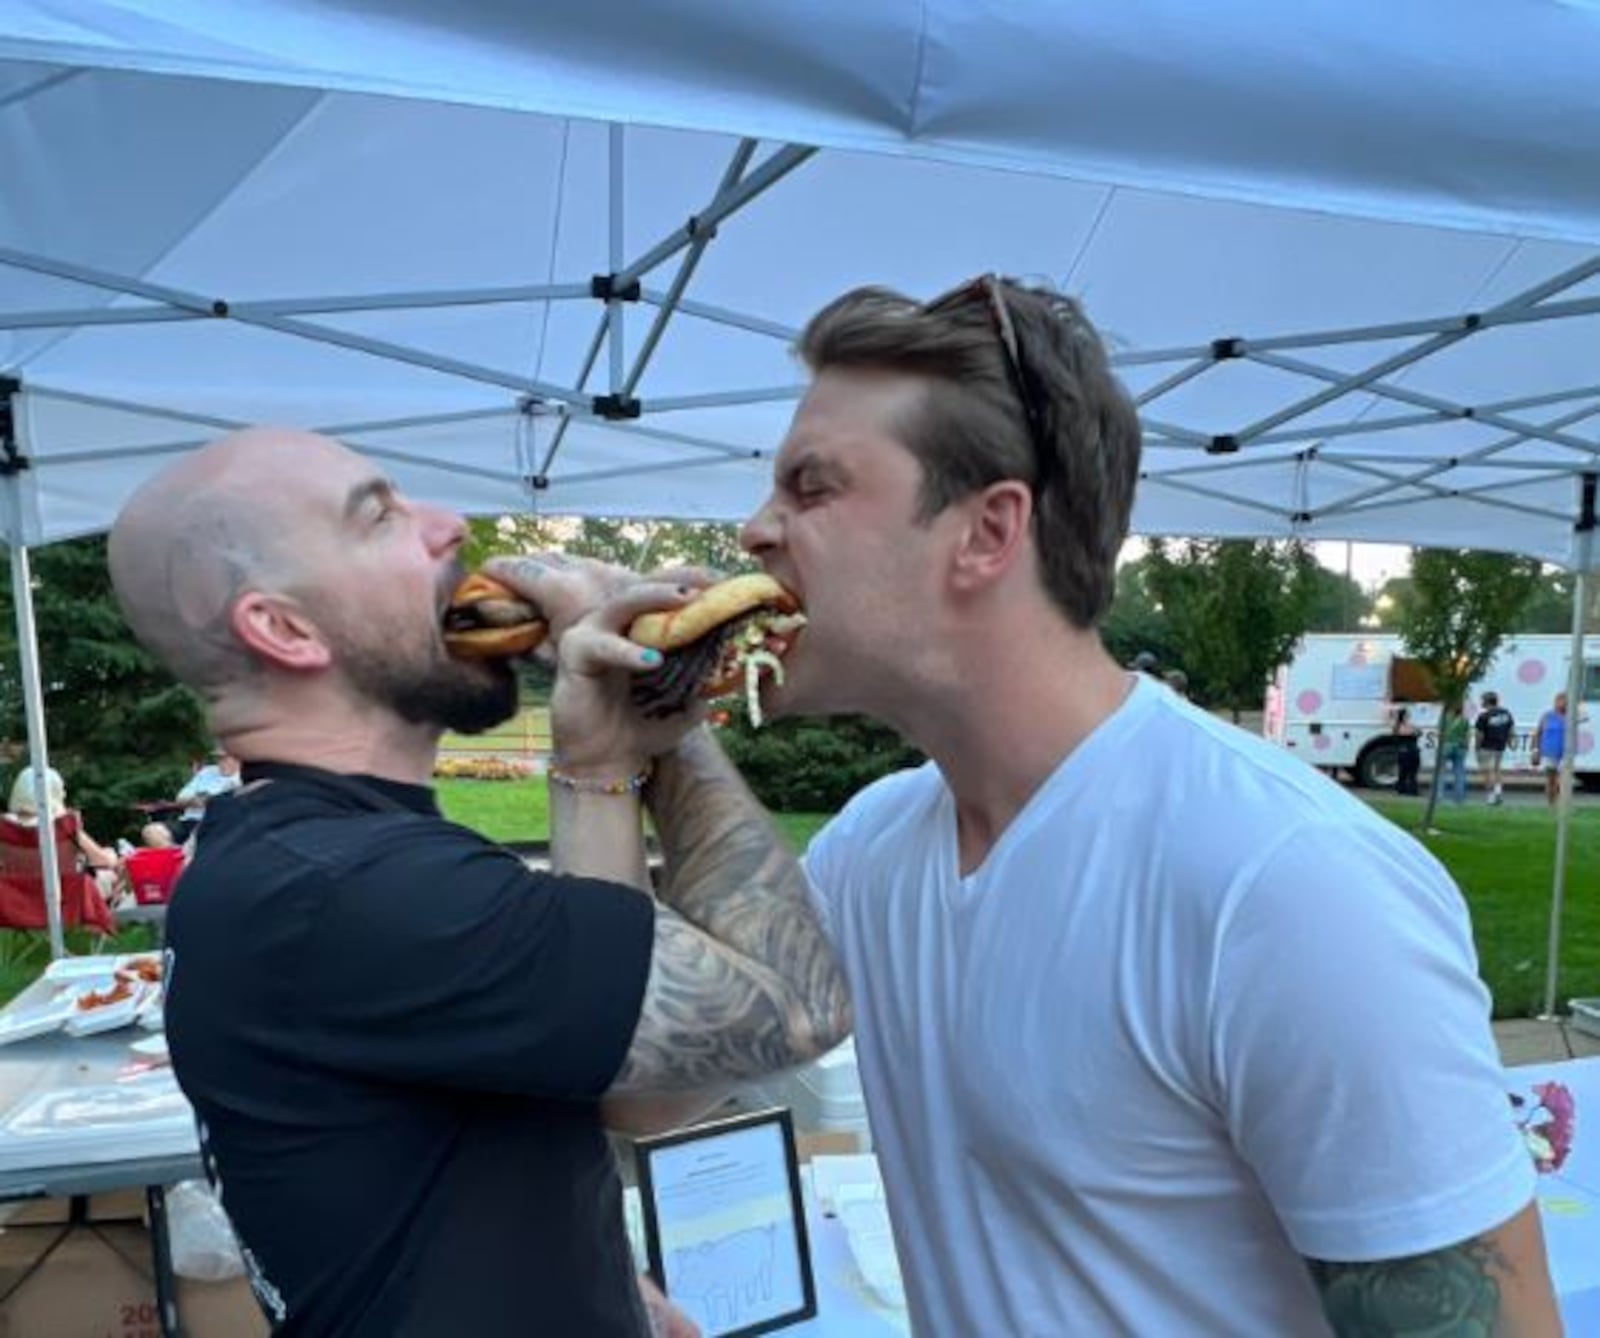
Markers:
point(107, 1107)
point(864, 1212)
point(850, 1188)
point(828, 1173)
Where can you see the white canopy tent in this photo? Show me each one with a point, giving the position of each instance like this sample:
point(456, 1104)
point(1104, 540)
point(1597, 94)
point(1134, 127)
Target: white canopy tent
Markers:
point(551, 257)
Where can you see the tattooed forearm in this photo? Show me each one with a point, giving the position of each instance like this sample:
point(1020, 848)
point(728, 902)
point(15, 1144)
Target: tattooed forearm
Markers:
point(730, 873)
point(1451, 1291)
point(709, 1017)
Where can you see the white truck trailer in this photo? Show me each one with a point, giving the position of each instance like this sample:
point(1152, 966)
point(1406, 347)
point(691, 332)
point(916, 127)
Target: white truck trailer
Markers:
point(1334, 702)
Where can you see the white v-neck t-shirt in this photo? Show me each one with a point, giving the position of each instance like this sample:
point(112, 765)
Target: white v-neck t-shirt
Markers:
point(1198, 1016)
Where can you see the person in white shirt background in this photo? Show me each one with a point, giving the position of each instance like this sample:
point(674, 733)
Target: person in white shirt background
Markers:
point(219, 776)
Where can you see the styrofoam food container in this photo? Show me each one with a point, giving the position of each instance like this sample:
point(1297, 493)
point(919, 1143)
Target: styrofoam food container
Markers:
point(107, 1017)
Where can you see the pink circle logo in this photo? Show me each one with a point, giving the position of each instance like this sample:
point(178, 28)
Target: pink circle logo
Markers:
point(1321, 742)
point(1531, 671)
point(1308, 702)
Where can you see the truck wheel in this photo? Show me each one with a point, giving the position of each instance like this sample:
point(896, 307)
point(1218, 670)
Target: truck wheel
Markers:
point(1588, 781)
point(1378, 767)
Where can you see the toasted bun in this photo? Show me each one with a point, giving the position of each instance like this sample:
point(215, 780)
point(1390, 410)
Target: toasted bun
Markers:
point(713, 606)
point(515, 627)
point(478, 587)
point(497, 643)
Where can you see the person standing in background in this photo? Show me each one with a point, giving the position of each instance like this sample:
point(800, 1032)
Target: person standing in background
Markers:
point(1409, 755)
point(1454, 755)
point(1494, 727)
point(1550, 746)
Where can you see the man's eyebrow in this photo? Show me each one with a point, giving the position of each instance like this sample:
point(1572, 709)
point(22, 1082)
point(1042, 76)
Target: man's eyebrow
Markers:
point(365, 491)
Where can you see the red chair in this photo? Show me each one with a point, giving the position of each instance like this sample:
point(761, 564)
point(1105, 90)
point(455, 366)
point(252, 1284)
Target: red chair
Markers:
point(153, 872)
point(22, 904)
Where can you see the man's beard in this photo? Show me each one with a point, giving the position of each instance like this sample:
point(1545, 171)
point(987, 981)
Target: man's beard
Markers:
point(466, 698)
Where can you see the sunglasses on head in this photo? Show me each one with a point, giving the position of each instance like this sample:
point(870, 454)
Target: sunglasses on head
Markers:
point(990, 290)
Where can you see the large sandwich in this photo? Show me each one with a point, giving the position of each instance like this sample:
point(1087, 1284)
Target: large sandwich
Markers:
point(486, 621)
point(727, 635)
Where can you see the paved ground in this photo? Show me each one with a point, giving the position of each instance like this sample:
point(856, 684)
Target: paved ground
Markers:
point(1528, 1041)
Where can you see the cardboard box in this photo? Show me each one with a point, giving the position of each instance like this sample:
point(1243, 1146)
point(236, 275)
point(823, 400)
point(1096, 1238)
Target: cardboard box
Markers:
point(95, 1281)
point(834, 1143)
point(117, 1205)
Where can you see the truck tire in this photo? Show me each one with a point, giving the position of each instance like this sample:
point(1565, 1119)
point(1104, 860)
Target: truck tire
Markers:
point(1378, 766)
point(1588, 781)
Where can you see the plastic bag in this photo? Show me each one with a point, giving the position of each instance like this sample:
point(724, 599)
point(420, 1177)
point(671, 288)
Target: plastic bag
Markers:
point(203, 1243)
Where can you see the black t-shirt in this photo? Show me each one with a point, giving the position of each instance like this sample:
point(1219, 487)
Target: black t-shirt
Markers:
point(394, 1035)
point(1494, 728)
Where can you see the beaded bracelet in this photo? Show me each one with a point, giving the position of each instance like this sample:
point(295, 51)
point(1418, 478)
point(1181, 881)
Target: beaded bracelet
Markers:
point(583, 785)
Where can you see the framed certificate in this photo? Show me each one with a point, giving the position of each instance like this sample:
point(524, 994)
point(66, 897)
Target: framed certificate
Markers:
point(725, 1224)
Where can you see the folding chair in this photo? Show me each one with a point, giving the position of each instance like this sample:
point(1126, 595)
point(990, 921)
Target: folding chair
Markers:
point(22, 899)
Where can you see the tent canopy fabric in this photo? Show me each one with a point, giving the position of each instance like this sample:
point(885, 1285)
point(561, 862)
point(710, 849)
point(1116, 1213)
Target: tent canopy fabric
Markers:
point(553, 257)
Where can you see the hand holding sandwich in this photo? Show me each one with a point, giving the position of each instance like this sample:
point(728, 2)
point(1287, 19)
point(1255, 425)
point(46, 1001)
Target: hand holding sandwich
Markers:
point(726, 635)
point(595, 723)
point(564, 588)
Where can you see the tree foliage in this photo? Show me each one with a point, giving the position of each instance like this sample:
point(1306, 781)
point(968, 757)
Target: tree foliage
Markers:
point(1137, 623)
point(1459, 606)
point(1549, 607)
point(119, 728)
point(643, 545)
point(813, 765)
point(1334, 602)
point(1236, 607)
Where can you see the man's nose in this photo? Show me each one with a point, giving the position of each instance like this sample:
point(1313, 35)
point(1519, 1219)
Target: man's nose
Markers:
point(443, 529)
point(760, 532)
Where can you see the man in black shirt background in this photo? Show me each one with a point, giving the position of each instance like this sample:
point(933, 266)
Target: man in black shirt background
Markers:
point(1493, 729)
point(403, 1046)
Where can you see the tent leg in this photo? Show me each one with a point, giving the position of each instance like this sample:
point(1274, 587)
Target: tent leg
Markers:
point(1569, 754)
point(38, 749)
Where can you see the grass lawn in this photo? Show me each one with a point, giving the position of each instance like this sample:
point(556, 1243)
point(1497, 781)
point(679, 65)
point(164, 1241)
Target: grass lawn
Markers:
point(1504, 861)
point(519, 812)
point(511, 811)
point(27, 954)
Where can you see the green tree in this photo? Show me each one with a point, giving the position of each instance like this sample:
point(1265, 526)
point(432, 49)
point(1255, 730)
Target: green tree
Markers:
point(1390, 600)
point(1236, 607)
point(1335, 603)
point(1460, 606)
point(640, 544)
point(119, 728)
point(1137, 621)
point(1549, 607)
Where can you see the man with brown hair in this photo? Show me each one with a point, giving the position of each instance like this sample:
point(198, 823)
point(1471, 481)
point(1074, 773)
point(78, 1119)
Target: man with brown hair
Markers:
point(1160, 1032)
point(400, 1042)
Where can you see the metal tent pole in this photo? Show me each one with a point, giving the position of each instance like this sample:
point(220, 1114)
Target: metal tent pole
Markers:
point(1584, 553)
point(13, 464)
point(38, 749)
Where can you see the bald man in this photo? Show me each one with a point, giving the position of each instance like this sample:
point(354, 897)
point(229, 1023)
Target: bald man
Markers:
point(400, 1043)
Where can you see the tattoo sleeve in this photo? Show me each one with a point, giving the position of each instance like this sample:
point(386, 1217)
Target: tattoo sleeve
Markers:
point(744, 981)
point(1451, 1291)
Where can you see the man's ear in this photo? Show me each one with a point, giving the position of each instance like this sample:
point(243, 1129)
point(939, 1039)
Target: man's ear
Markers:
point(998, 520)
point(279, 631)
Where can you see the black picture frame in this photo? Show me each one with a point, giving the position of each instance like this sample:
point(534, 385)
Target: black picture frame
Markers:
point(647, 1150)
